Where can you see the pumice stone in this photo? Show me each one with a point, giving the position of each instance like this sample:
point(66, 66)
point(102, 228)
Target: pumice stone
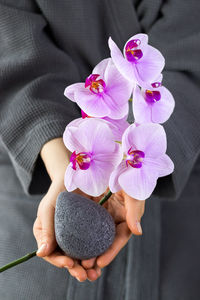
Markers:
point(83, 228)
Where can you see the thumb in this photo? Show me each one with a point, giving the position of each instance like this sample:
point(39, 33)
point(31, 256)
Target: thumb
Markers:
point(134, 213)
point(46, 241)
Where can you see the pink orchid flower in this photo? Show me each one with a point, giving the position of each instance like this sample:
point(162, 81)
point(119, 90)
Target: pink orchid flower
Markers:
point(117, 126)
point(141, 63)
point(105, 92)
point(94, 156)
point(154, 104)
point(145, 160)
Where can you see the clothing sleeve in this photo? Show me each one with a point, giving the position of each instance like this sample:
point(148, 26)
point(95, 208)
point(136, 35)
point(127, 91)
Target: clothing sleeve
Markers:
point(176, 33)
point(33, 75)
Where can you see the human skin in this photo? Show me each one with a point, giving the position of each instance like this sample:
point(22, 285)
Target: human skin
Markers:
point(126, 211)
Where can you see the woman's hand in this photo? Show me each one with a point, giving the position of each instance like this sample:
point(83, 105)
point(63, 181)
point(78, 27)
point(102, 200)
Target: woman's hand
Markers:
point(56, 158)
point(125, 210)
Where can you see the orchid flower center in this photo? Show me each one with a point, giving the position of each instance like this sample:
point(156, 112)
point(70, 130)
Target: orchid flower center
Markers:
point(156, 85)
point(134, 158)
point(96, 86)
point(83, 159)
point(152, 96)
point(133, 54)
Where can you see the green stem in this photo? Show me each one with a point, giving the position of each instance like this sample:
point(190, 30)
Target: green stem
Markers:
point(32, 254)
point(105, 198)
point(18, 261)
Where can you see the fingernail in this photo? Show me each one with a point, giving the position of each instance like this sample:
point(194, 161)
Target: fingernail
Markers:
point(42, 247)
point(139, 228)
point(98, 272)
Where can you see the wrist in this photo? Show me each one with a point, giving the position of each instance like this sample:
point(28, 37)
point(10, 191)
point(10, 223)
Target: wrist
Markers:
point(57, 185)
point(56, 159)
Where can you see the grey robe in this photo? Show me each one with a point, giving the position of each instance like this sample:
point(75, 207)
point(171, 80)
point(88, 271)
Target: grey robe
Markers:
point(47, 45)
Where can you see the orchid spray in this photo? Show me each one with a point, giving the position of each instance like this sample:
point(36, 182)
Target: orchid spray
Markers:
point(140, 158)
point(106, 149)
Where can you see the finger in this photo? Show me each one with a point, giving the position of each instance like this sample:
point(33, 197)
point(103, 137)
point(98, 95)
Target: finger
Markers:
point(59, 260)
point(78, 271)
point(37, 230)
point(88, 263)
point(46, 239)
point(134, 213)
point(123, 234)
point(94, 273)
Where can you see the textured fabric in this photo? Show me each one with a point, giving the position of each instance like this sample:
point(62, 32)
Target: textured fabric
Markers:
point(46, 45)
point(180, 245)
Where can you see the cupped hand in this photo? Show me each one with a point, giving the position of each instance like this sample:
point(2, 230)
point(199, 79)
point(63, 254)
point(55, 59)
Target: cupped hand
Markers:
point(56, 158)
point(126, 211)
point(44, 233)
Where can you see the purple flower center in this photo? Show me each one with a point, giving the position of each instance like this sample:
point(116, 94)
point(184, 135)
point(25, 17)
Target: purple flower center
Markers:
point(156, 85)
point(134, 158)
point(152, 96)
point(95, 86)
point(133, 54)
point(83, 159)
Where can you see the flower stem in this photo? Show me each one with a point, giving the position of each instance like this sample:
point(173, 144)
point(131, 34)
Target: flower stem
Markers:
point(18, 261)
point(105, 198)
point(32, 254)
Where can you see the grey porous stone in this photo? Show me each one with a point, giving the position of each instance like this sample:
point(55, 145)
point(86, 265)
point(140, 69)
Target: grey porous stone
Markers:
point(83, 228)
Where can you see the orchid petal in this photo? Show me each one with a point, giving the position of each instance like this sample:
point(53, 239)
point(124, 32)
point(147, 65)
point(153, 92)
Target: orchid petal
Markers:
point(138, 183)
point(92, 181)
point(118, 126)
point(149, 67)
point(162, 110)
point(101, 67)
point(116, 111)
point(70, 140)
point(116, 82)
point(163, 165)
point(69, 179)
point(149, 138)
point(126, 142)
point(113, 182)
point(71, 89)
point(124, 67)
point(119, 89)
point(141, 109)
point(111, 159)
point(95, 136)
point(92, 104)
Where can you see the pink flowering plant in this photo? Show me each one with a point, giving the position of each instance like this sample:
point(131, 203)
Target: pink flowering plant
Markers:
point(106, 149)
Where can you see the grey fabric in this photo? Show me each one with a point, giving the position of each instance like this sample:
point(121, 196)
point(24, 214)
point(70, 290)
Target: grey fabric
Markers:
point(180, 245)
point(46, 45)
